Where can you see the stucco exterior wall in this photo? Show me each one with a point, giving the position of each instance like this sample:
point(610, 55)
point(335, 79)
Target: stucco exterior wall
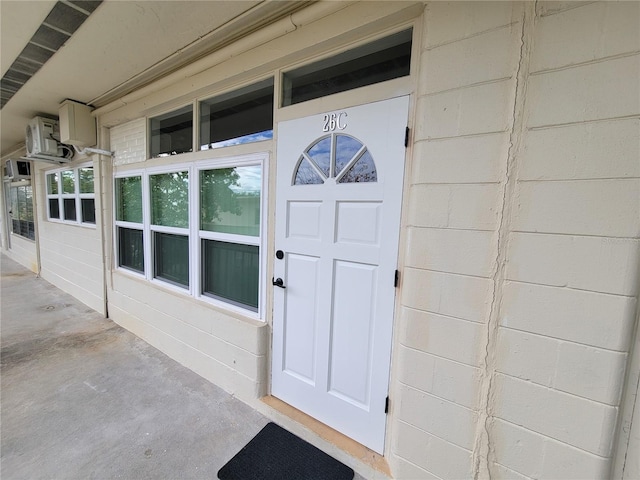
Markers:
point(521, 284)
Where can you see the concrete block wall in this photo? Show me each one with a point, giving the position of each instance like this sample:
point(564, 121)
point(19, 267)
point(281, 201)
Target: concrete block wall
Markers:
point(224, 348)
point(23, 251)
point(570, 288)
point(70, 255)
point(467, 82)
point(520, 284)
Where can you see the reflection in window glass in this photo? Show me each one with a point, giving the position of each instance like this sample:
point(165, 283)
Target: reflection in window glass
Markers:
point(230, 272)
point(171, 133)
point(340, 156)
point(52, 183)
point(346, 148)
point(129, 199)
point(378, 61)
point(363, 171)
point(241, 116)
point(171, 254)
point(230, 200)
point(320, 153)
point(131, 249)
point(170, 199)
point(86, 179)
point(22, 211)
point(69, 205)
point(68, 181)
point(88, 210)
point(54, 208)
point(306, 174)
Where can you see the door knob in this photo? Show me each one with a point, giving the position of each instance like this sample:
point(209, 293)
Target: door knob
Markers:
point(278, 282)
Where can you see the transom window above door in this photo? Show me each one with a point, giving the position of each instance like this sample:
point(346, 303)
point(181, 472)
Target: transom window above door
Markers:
point(338, 156)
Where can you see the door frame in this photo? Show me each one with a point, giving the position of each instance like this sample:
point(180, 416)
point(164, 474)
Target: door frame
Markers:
point(400, 234)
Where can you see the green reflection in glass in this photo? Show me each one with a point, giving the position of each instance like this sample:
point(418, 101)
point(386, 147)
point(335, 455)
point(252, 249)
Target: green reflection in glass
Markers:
point(230, 200)
point(68, 181)
point(86, 180)
point(52, 183)
point(129, 199)
point(170, 199)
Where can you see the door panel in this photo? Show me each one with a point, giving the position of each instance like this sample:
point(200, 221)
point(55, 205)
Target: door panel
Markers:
point(351, 332)
point(338, 201)
point(300, 330)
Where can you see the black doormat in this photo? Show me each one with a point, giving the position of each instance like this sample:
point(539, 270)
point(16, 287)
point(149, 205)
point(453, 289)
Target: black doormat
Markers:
point(276, 454)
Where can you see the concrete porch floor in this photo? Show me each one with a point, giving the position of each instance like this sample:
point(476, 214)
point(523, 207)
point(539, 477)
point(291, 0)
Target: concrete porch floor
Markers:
point(83, 398)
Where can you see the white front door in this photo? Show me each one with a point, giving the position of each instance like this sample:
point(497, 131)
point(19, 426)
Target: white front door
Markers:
point(339, 193)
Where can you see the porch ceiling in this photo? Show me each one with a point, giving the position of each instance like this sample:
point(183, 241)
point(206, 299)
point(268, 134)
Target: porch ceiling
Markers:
point(120, 47)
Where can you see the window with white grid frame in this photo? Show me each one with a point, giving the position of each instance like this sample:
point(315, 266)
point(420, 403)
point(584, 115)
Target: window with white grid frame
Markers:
point(196, 228)
point(71, 195)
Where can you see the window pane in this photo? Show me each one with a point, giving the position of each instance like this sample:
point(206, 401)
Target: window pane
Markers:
point(172, 133)
point(364, 170)
point(242, 116)
point(379, 61)
point(86, 180)
point(88, 210)
point(306, 174)
point(52, 183)
point(231, 272)
point(230, 200)
point(130, 249)
point(170, 199)
point(29, 203)
point(69, 208)
point(129, 199)
point(15, 206)
point(54, 208)
point(68, 181)
point(171, 258)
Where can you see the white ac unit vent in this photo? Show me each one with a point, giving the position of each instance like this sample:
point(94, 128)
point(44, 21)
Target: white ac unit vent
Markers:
point(17, 170)
point(43, 138)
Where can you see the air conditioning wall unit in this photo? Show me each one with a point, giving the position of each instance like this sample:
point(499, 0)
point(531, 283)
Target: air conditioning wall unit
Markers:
point(43, 142)
point(43, 137)
point(17, 170)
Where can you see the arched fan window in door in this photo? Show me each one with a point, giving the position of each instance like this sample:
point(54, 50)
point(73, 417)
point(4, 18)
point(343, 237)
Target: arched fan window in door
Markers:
point(337, 156)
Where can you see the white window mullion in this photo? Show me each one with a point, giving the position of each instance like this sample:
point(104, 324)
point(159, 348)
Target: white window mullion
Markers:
point(195, 254)
point(76, 173)
point(146, 230)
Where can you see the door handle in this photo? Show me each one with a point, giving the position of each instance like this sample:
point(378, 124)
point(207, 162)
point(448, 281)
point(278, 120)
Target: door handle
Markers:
point(278, 282)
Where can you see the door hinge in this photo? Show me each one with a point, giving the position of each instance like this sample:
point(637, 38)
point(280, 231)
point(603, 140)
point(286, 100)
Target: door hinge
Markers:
point(396, 279)
point(406, 137)
point(386, 405)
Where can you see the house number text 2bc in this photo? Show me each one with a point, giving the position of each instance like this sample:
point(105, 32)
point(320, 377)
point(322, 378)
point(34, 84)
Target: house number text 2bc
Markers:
point(334, 121)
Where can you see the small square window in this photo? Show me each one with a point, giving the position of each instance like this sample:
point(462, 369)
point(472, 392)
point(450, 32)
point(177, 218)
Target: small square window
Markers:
point(171, 133)
point(241, 116)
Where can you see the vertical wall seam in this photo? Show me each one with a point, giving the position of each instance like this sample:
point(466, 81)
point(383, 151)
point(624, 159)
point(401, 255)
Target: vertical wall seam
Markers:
point(483, 449)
